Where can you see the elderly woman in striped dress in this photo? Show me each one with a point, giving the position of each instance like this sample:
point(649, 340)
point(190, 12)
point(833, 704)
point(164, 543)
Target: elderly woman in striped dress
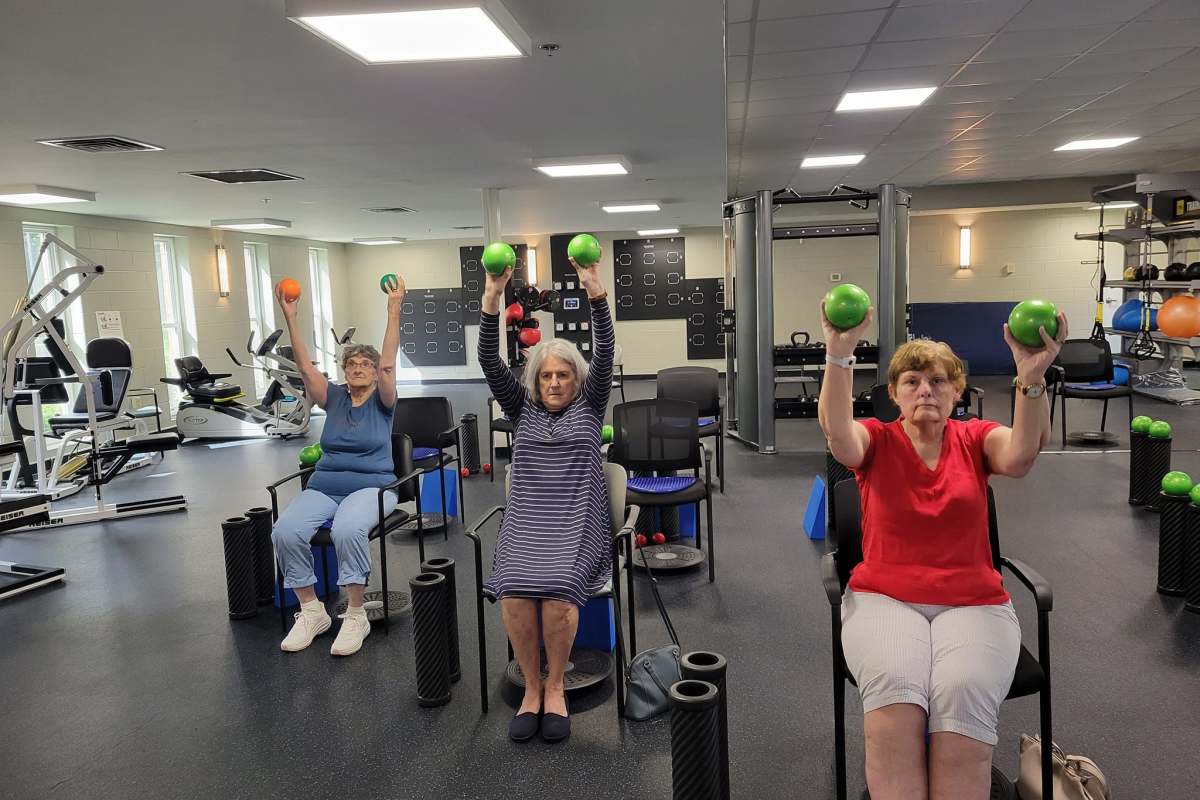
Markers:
point(553, 548)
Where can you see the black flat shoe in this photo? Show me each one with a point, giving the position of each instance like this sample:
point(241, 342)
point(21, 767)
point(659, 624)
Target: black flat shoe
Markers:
point(555, 728)
point(523, 727)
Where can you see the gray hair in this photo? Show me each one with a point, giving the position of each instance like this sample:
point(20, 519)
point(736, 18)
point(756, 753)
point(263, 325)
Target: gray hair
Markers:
point(352, 350)
point(559, 348)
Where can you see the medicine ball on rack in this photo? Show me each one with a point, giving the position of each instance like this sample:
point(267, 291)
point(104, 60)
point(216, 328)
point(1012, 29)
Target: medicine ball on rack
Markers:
point(1193, 271)
point(1175, 271)
point(1140, 273)
point(1130, 274)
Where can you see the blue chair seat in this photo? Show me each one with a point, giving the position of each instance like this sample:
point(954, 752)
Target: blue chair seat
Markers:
point(422, 453)
point(666, 484)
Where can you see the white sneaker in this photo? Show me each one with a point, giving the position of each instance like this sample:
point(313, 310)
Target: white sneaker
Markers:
point(310, 623)
point(355, 628)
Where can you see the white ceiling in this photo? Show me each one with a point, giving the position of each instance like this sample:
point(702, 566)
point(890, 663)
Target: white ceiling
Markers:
point(224, 84)
point(1017, 78)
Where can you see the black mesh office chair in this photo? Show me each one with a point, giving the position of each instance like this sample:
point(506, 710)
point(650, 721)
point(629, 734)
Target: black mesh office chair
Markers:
point(497, 425)
point(1083, 361)
point(429, 422)
point(1032, 675)
point(702, 386)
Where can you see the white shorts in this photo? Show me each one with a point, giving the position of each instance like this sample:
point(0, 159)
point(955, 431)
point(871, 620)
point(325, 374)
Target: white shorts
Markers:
point(956, 662)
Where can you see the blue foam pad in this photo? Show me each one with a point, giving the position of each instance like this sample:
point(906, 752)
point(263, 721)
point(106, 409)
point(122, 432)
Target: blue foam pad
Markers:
point(1098, 386)
point(706, 421)
point(814, 512)
point(661, 485)
point(422, 453)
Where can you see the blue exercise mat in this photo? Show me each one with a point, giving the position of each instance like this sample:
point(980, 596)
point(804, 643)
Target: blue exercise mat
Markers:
point(706, 421)
point(662, 485)
point(422, 453)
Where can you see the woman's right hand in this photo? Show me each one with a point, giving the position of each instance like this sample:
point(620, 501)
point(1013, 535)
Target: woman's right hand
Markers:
point(493, 285)
point(841, 343)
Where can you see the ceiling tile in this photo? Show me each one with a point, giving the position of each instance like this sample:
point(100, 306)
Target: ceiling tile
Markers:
point(1079, 85)
point(1173, 9)
point(798, 86)
point(739, 10)
point(785, 122)
point(981, 93)
point(735, 92)
point(735, 68)
point(1147, 35)
point(735, 110)
point(1043, 14)
point(873, 79)
point(823, 61)
point(1122, 63)
point(777, 9)
point(811, 32)
point(943, 20)
point(928, 52)
point(1037, 43)
point(1013, 70)
point(737, 39)
point(1180, 72)
point(1140, 94)
point(793, 105)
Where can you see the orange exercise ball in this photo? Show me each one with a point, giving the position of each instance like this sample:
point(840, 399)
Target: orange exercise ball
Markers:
point(289, 288)
point(1180, 317)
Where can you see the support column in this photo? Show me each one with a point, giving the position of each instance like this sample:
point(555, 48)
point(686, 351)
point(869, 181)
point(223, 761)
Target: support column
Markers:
point(765, 329)
point(745, 309)
point(491, 216)
point(731, 405)
point(891, 300)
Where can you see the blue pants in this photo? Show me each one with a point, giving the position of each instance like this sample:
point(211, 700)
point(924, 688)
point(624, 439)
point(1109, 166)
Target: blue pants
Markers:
point(352, 517)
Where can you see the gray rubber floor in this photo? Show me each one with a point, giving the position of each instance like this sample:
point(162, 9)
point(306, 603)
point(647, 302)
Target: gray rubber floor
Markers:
point(129, 681)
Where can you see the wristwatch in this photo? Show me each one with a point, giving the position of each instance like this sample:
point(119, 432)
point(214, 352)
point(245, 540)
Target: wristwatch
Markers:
point(846, 362)
point(1034, 390)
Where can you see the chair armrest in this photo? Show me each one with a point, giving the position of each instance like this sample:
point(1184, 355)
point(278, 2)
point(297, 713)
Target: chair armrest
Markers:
point(631, 515)
point(1060, 373)
point(975, 390)
point(1033, 581)
point(273, 486)
point(450, 434)
point(216, 376)
point(829, 578)
point(473, 531)
point(172, 381)
point(396, 484)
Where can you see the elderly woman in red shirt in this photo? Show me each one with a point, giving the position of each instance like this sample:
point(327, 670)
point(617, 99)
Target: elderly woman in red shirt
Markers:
point(928, 630)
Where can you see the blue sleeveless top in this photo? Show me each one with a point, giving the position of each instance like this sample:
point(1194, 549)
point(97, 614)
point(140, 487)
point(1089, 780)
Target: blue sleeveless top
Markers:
point(356, 445)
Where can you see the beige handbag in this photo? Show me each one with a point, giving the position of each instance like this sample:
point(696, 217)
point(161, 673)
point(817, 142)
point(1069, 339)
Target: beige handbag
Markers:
point(1075, 777)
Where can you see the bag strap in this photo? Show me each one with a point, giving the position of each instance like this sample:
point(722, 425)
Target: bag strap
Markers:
point(662, 608)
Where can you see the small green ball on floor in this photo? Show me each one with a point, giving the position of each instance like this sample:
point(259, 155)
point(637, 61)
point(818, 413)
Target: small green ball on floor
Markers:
point(1177, 483)
point(1159, 429)
point(1140, 424)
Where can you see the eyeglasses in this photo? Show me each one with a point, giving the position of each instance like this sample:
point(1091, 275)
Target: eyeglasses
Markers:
point(360, 365)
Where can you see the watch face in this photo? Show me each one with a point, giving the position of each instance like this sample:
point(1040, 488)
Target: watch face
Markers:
point(1035, 391)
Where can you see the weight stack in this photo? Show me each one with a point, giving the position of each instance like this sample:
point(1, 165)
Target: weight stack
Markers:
point(695, 741)
point(1191, 558)
point(1158, 463)
point(237, 534)
point(1137, 469)
point(1172, 535)
point(711, 668)
point(429, 638)
point(469, 439)
point(445, 568)
point(264, 555)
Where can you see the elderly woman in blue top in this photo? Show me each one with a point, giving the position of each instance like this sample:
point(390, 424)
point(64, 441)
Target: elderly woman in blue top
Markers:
point(553, 549)
point(357, 459)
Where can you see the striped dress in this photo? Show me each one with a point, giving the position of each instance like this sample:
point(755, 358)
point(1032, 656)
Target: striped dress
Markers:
point(555, 541)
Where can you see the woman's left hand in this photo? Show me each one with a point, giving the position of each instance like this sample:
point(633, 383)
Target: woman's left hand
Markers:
point(589, 277)
point(395, 296)
point(1032, 363)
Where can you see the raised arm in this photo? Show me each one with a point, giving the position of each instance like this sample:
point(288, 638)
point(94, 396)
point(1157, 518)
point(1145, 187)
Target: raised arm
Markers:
point(391, 343)
point(848, 440)
point(599, 380)
point(509, 393)
point(315, 383)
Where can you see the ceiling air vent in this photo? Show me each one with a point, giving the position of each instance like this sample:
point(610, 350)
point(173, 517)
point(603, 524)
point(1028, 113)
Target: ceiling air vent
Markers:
point(244, 175)
point(391, 210)
point(100, 144)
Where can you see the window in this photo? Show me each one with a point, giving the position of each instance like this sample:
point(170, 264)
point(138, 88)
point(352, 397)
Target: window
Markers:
point(175, 306)
point(259, 297)
point(322, 304)
point(54, 261)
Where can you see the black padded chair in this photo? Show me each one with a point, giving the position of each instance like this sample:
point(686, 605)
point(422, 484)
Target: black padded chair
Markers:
point(661, 436)
point(702, 386)
point(429, 422)
point(497, 425)
point(200, 384)
point(1032, 675)
point(407, 487)
point(1083, 361)
point(621, 520)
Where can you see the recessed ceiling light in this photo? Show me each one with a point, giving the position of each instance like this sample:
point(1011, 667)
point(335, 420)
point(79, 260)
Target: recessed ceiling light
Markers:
point(585, 167)
point(630, 208)
point(658, 232)
point(394, 31)
point(1115, 205)
point(887, 98)
point(255, 224)
point(1096, 144)
point(35, 194)
point(831, 161)
point(379, 240)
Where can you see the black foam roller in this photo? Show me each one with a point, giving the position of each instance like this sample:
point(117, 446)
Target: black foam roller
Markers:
point(236, 534)
point(1191, 558)
point(701, 665)
point(1137, 468)
point(695, 741)
point(1171, 537)
point(429, 638)
point(1158, 463)
point(445, 567)
point(469, 439)
point(264, 555)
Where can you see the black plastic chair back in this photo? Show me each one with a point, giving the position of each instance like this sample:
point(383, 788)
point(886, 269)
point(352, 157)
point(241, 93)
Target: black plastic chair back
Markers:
point(402, 464)
point(1085, 360)
point(423, 419)
point(847, 539)
point(700, 385)
point(109, 352)
point(192, 372)
point(652, 435)
point(882, 407)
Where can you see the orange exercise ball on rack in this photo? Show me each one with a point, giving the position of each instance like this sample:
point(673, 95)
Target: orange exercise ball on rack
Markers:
point(1179, 317)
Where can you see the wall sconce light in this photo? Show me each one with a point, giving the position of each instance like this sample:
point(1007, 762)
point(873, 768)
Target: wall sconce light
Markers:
point(531, 266)
point(222, 271)
point(964, 247)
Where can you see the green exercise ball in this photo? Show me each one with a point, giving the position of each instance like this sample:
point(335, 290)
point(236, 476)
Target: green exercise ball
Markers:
point(1140, 424)
point(1029, 315)
point(1159, 430)
point(846, 306)
point(606, 434)
point(1176, 483)
point(497, 257)
point(585, 249)
point(388, 282)
point(310, 455)
point(1195, 494)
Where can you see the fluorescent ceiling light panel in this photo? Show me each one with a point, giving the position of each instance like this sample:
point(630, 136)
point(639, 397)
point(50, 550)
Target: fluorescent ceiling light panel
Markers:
point(35, 194)
point(1114, 205)
point(1096, 144)
point(630, 208)
point(255, 224)
point(887, 98)
point(379, 240)
point(659, 232)
point(398, 31)
point(831, 161)
point(587, 167)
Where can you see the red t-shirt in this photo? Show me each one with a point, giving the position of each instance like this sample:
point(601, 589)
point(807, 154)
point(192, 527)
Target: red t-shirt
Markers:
point(925, 531)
